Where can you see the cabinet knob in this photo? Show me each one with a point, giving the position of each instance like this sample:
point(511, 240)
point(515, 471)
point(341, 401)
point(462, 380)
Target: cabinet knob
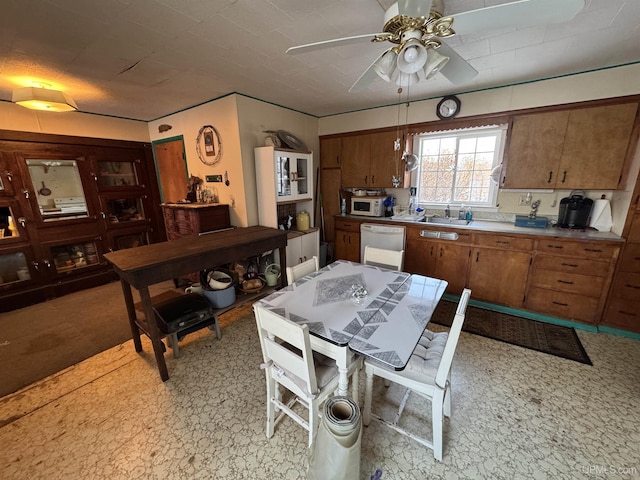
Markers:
point(35, 264)
point(26, 193)
point(9, 176)
point(95, 177)
point(47, 263)
point(22, 221)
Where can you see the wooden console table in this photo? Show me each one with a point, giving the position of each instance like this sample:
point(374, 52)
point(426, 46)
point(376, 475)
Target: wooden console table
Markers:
point(148, 264)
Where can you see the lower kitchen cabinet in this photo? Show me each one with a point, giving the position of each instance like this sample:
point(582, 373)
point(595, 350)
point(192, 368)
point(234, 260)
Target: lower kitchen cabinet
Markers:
point(347, 240)
point(499, 267)
point(444, 259)
point(302, 246)
point(623, 308)
point(499, 276)
point(571, 279)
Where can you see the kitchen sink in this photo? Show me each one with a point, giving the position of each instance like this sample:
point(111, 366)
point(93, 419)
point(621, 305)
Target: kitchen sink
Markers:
point(448, 221)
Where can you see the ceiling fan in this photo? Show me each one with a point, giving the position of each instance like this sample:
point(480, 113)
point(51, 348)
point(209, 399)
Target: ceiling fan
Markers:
point(416, 28)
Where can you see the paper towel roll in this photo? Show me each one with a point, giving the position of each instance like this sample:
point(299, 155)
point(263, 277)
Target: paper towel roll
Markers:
point(601, 215)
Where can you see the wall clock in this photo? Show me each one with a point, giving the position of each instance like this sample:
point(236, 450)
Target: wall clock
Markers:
point(448, 107)
point(209, 145)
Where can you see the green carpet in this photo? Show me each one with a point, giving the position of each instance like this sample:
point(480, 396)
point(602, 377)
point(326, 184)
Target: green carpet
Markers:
point(543, 337)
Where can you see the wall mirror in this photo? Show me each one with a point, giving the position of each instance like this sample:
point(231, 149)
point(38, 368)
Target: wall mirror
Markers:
point(58, 188)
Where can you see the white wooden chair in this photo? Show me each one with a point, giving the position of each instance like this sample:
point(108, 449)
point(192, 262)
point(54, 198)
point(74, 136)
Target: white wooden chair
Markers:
point(383, 258)
point(428, 373)
point(288, 362)
point(302, 269)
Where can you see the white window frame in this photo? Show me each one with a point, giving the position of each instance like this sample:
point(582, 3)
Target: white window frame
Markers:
point(500, 130)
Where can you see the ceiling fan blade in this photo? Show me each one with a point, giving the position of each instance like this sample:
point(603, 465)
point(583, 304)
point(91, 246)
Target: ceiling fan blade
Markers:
point(368, 76)
point(337, 42)
point(414, 8)
point(457, 69)
point(520, 14)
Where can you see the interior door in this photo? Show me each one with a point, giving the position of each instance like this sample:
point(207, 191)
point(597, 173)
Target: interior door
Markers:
point(171, 166)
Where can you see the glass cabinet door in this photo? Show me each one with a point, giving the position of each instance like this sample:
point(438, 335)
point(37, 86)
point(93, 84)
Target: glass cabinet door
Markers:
point(302, 176)
point(74, 256)
point(117, 173)
point(124, 209)
point(283, 177)
point(14, 267)
point(8, 227)
point(58, 189)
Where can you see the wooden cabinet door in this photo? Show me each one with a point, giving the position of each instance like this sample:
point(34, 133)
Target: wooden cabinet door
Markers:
point(499, 276)
point(330, 152)
point(595, 147)
point(385, 161)
point(452, 261)
point(347, 246)
point(420, 256)
point(356, 158)
point(534, 150)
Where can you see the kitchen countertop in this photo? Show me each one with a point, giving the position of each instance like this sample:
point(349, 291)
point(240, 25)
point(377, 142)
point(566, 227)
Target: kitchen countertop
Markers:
point(491, 226)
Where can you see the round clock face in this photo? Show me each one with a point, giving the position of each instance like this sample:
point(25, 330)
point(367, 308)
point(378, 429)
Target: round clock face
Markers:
point(448, 107)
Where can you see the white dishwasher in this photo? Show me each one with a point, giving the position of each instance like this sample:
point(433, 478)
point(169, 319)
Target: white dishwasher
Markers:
point(381, 236)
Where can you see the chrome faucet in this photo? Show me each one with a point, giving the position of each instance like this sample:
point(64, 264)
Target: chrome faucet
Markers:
point(447, 212)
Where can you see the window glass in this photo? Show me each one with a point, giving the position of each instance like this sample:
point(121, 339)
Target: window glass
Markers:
point(455, 166)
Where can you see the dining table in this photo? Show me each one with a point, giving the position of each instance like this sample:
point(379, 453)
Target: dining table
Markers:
point(356, 309)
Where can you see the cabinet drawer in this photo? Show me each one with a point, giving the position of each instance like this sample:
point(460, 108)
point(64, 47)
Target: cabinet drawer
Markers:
point(630, 258)
point(347, 225)
point(568, 282)
point(583, 266)
point(626, 285)
point(562, 304)
point(623, 314)
point(578, 249)
point(504, 241)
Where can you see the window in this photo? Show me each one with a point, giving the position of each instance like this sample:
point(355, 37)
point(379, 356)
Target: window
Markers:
point(455, 166)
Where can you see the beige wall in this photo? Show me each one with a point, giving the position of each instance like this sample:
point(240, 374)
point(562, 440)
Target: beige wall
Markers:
point(608, 83)
point(256, 116)
point(240, 121)
point(15, 117)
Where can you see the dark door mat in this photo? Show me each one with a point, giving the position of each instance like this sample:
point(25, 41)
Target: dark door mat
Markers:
point(523, 332)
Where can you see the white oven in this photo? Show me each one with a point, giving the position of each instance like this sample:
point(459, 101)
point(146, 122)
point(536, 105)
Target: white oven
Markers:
point(367, 206)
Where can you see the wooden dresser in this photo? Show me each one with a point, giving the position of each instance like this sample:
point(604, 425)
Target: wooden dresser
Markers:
point(189, 219)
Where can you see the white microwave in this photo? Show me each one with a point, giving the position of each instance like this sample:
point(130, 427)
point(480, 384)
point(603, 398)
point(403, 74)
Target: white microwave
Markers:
point(367, 206)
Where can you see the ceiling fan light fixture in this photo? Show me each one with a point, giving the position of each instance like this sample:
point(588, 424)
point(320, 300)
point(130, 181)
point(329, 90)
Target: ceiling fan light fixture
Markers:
point(435, 62)
point(412, 56)
point(386, 65)
point(38, 98)
point(404, 79)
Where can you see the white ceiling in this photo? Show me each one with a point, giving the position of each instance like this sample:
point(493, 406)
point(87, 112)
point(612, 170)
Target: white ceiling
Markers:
point(143, 59)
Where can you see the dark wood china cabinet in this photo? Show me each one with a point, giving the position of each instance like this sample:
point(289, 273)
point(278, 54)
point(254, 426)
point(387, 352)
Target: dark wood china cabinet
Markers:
point(64, 203)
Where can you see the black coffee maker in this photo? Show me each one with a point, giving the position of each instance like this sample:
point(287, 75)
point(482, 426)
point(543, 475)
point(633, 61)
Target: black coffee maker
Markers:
point(575, 210)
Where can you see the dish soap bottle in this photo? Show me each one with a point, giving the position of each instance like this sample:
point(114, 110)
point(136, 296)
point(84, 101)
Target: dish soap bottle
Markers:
point(468, 216)
point(461, 213)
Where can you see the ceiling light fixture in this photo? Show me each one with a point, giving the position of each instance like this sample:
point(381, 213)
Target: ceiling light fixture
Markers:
point(40, 98)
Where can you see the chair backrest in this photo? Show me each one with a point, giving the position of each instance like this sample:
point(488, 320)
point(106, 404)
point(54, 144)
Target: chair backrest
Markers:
point(383, 258)
point(302, 269)
point(452, 341)
point(277, 337)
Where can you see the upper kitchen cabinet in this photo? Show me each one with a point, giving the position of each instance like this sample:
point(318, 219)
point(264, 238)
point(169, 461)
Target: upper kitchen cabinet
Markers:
point(369, 160)
point(330, 152)
point(584, 148)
